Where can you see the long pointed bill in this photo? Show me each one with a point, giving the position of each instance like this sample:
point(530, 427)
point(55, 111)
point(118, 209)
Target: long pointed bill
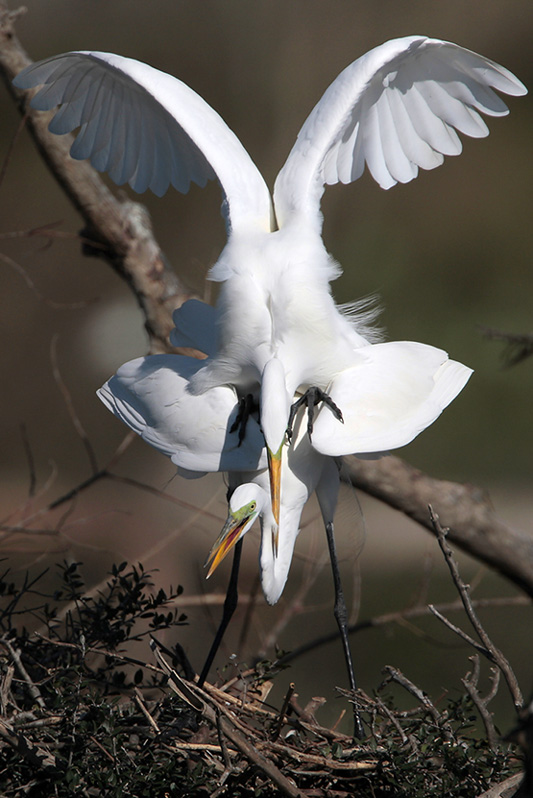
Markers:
point(274, 472)
point(227, 539)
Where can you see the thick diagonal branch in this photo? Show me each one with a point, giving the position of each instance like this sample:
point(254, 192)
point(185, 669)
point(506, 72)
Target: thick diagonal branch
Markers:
point(121, 230)
point(465, 509)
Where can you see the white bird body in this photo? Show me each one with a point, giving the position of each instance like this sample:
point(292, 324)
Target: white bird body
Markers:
point(395, 109)
point(151, 396)
point(275, 301)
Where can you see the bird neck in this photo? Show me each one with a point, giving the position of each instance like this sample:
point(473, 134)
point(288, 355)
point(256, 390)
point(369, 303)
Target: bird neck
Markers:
point(275, 404)
point(275, 567)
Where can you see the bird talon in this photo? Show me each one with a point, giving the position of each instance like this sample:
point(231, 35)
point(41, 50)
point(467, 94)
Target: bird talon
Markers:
point(312, 397)
point(246, 407)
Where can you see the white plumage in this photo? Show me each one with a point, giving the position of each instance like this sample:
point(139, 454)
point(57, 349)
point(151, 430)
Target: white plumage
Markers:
point(278, 330)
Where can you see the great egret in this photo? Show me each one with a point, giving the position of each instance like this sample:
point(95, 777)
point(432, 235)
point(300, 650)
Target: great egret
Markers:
point(391, 407)
point(396, 109)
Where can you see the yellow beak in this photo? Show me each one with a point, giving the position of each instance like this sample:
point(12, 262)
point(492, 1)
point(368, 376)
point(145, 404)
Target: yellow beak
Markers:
point(274, 472)
point(227, 539)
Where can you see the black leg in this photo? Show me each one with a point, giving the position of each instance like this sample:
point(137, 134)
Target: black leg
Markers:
point(246, 408)
point(341, 616)
point(310, 399)
point(230, 603)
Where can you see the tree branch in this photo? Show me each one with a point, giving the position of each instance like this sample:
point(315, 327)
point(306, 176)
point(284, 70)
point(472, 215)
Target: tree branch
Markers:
point(465, 509)
point(121, 229)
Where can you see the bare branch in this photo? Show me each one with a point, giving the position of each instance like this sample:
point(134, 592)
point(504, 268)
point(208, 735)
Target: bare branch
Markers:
point(505, 789)
point(489, 649)
point(402, 615)
point(122, 228)
point(14, 653)
point(397, 676)
point(518, 347)
point(470, 682)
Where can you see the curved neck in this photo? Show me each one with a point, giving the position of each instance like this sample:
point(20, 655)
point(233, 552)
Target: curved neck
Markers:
point(275, 570)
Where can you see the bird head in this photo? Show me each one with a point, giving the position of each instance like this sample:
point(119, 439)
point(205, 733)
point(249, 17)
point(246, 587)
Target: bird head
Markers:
point(275, 408)
point(246, 504)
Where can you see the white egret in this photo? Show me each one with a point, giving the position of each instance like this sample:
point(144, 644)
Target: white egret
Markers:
point(396, 109)
point(279, 331)
point(391, 407)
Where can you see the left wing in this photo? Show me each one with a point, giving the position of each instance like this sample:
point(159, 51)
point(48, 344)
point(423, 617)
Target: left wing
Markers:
point(393, 392)
point(396, 109)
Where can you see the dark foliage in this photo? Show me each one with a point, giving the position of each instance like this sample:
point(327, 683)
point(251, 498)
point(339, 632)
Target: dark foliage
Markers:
point(80, 716)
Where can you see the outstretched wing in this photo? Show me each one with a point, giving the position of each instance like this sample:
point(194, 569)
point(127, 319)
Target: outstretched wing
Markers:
point(146, 128)
point(396, 109)
point(150, 395)
point(391, 393)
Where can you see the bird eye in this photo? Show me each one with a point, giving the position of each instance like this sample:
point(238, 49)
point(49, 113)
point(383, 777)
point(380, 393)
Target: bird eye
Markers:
point(253, 506)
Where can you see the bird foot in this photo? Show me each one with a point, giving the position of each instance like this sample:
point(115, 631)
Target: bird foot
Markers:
point(246, 408)
point(310, 399)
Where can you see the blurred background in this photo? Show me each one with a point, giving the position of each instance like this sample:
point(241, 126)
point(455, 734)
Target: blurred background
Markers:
point(446, 254)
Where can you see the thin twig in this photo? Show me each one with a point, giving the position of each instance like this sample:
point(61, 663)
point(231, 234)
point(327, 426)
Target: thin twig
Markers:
point(400, 615)
point(492, 652)
point(30, 460)
point(140, 703)
point(51, 303)
point(470, 682)
point(458, 631)
point(282, 712)
point(397, 676)
point(70, 407)
point(15, 656)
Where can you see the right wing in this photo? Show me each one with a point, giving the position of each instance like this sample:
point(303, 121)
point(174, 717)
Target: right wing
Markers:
point(150, 395)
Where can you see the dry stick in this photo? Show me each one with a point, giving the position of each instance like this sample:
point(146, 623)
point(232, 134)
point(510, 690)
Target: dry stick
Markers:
point(12, 143)
point(36, 755)
point(51, 303)
point(398, 677)
point(401, 615)
point(489, 649)
point(30, 459)
point(223, 747)
point(283, 710)
point(203, 703)
point(518, 347)
point(470, 683)
point(15, 656)
point(102, 748)
point(458, 631)
point(140, 703)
